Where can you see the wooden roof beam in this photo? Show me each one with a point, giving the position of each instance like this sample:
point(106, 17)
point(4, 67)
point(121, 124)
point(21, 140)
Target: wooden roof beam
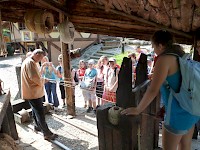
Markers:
point(109, 22)
point(55, 6)
point(135, 18)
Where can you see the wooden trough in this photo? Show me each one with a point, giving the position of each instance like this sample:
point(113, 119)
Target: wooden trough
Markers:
point(133, 132)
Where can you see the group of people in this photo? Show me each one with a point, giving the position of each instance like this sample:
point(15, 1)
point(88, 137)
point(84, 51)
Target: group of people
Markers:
point(99, 83)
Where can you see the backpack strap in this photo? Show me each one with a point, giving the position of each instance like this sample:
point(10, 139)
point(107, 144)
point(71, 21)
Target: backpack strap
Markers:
point(115, 71)
point(167, 120)
point(59, 69)
point(174, 54)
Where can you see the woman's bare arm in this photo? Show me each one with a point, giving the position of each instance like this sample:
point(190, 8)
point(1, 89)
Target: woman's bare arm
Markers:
point(159, 76)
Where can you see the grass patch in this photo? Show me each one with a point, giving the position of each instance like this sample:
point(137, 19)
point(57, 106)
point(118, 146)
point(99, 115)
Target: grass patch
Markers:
point(119, 58)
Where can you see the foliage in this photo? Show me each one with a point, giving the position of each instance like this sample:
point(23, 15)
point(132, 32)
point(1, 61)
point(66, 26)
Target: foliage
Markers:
point(119, 57)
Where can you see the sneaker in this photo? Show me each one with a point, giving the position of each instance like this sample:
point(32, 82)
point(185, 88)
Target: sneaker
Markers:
point(36, 128)
point(50, 137)
point(56, 108)
point(63, 106)
point(89, 109)
point(95, 111)
point(85, 106)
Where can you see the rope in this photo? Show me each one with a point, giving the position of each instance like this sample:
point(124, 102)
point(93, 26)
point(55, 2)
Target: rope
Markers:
point(64, 83)
point(71, 85)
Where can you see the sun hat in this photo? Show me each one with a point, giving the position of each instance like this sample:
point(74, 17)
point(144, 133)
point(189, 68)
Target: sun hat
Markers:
point(112, 59)
point(91, 61)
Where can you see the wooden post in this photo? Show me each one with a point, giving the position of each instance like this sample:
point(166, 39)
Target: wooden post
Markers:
point(49, 50)
point(18, 73)
point(2, 46)
point(196, 55)
point(69, 91)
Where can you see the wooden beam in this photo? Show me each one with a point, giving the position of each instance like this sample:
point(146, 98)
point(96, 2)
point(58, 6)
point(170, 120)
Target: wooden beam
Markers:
point(128, 34)
point(58, 39)
point(55, 6)
point(49, 50)
point(110, 22)
point(132, 17)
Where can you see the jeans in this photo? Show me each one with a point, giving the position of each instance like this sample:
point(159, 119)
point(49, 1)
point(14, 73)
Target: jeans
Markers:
point(38, 115)
point(51, 92)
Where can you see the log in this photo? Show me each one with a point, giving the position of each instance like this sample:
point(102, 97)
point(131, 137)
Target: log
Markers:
point(154, 3)
point(116, 5)
point(163, 18)
point(132, 4)
point(168, 7)
point(195, 22)
point(186, 14)
point(197, 3)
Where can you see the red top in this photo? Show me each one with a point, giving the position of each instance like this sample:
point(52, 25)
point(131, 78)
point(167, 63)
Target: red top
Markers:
point(118, 66)
point(81, 72)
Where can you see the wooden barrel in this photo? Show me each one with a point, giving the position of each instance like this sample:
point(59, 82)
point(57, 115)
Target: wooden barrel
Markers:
point(44, 22)
point(29, 19)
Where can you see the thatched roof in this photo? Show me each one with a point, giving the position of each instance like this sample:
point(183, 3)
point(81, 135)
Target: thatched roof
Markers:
point(125, 18)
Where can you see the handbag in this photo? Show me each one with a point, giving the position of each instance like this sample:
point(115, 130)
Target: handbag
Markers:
point(82, 85)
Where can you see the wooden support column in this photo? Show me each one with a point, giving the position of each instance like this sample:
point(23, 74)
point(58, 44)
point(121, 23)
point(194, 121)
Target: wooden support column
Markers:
point(69, 91)
point(49, 50)
point(196, 55)
point(2, 46)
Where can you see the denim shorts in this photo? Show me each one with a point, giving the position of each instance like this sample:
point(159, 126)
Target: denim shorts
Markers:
point(174, 131)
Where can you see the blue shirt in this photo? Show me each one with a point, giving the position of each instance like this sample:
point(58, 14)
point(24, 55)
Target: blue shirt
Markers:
point(49, 74)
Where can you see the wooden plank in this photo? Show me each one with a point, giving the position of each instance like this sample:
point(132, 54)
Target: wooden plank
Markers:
point(124, 90)
point(117, 139)
point(141, 70)
point(11, 122)
point(109, 137)
point(7, 124)
point(110, 22)
point(102, 111)
point(147, 132)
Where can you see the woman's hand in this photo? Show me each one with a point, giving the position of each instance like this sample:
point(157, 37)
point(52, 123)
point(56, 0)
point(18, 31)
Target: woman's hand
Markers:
point(130, 111)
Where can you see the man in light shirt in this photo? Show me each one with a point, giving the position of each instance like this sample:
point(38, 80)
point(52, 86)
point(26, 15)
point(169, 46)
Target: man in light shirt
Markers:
point(33, 91)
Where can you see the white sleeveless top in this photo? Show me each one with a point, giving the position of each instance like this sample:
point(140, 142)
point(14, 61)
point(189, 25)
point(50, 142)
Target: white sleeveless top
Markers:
point(111, 79)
